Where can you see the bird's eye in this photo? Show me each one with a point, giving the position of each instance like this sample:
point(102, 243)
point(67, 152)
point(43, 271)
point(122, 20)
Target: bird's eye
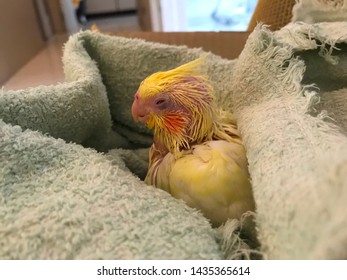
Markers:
point(160, 101)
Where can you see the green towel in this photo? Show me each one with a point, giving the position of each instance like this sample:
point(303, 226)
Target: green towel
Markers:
point(290, 101)
point(63, 201)
point(71, 157)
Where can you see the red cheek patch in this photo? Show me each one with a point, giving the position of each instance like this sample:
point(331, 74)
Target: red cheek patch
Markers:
point(174, 123)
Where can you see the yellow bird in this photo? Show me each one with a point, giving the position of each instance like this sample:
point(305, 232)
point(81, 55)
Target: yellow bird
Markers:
point(197, 154)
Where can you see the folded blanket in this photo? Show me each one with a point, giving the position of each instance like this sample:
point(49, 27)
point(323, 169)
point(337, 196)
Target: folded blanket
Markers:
point(290, 99)
point(313, 11)
point(71, 156)
point(60, 199)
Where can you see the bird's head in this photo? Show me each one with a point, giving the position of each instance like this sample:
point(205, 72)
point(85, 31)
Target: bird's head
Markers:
point(178, 105)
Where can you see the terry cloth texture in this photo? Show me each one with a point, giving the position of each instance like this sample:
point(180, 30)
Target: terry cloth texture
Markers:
point(63, 201)
point(289, 97)
point(83, 200)
point(313, 11)
point(65, 194)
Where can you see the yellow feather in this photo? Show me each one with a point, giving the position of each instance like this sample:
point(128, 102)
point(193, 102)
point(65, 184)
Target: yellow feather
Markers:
point(189, 87)
point(211, 177)
point(204, 163)
point(160, 81)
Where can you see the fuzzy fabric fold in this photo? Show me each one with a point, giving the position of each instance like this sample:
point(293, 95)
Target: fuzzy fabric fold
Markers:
point(71, 157)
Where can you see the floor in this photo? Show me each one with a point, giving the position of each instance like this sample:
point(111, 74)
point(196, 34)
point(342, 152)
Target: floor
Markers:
point(46, 67)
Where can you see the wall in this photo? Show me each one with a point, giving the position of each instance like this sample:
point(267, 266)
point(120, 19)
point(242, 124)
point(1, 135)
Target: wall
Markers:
point(56, 16)
point(20, 35)
point(149, 14)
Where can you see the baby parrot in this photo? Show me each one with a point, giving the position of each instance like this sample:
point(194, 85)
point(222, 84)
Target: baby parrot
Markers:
point(197, 154)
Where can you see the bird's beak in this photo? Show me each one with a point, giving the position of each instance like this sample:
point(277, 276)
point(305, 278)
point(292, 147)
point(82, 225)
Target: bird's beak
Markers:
point(138, 110)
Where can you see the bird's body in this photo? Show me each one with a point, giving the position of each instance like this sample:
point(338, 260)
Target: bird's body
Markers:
point(193, 177)
point(197, 154)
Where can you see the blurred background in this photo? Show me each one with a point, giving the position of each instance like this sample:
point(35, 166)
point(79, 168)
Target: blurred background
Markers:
point(39, 28)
